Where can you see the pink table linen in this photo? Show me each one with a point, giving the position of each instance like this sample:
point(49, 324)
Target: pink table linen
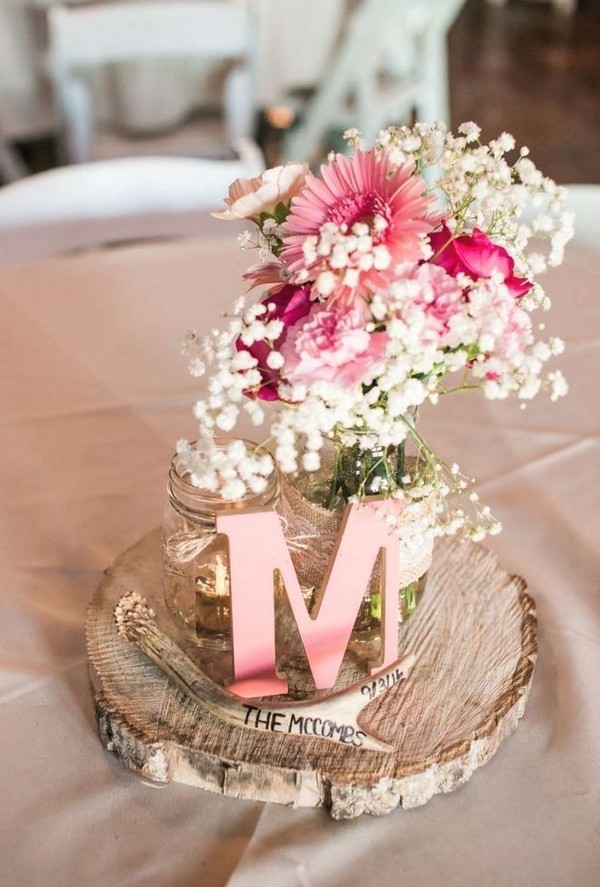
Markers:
point(94, 396)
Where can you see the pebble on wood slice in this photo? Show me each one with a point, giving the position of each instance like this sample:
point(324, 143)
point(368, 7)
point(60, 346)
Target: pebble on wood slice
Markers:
point(473, 636)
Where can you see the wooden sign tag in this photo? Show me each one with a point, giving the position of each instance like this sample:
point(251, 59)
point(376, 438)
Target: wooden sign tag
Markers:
point(332, 717)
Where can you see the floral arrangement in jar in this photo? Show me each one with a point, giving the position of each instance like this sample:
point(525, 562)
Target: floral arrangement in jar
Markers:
point(399, 274)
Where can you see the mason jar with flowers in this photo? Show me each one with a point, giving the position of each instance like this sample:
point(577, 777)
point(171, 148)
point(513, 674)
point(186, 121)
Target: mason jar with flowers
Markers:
point(400, 273)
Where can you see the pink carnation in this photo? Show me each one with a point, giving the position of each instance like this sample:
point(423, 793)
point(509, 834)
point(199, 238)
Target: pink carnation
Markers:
point(507, 329)
point(290, 304)
point(248, 198)
point(476, 256)
point(332, 345)
point(439, 297)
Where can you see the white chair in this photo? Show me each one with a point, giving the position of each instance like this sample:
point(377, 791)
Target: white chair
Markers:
point(296, 43)
point(392, 62)
point(88, 205)
point(88, 38)
point(584, 201)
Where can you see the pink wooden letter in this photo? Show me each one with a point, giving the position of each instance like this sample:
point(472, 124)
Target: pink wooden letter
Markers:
point(257, 548)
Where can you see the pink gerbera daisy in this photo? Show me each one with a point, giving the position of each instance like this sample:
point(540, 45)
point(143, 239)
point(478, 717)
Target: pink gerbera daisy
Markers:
point(347, 231)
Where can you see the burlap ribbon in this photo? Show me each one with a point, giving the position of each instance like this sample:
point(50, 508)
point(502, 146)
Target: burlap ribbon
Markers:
point(311, 533)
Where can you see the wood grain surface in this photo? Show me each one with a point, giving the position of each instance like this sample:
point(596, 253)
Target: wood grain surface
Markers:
point(474, 638)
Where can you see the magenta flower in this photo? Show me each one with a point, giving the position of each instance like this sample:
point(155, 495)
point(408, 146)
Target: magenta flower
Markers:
point(290, 304)
point(347, 231)
point(476, 256)
point(332, 345)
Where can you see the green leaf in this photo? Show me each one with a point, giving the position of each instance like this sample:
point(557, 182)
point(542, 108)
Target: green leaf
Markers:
point(375, 606)
point(280, 213)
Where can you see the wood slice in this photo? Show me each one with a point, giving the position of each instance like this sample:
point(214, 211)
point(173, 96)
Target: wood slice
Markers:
point(474, 637)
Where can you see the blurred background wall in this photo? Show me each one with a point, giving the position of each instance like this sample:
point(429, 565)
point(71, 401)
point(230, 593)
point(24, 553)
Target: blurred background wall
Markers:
point(528, 69)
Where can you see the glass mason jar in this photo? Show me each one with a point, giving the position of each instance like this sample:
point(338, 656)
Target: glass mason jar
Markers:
point(196, 557)
point(352, 471)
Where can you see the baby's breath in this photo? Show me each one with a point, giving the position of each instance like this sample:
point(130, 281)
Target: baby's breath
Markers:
point(444, 332)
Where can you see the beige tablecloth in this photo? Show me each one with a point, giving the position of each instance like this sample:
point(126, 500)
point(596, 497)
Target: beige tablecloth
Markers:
point(94, 394)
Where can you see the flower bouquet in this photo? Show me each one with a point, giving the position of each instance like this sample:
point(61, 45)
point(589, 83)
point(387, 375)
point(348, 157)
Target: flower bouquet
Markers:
point(399, 274)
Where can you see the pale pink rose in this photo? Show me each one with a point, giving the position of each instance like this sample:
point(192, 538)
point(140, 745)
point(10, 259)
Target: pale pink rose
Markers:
point(332, 345)
point(248, 198)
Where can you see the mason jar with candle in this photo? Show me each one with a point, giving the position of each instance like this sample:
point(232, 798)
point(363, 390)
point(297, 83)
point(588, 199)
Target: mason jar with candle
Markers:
point(196, 557)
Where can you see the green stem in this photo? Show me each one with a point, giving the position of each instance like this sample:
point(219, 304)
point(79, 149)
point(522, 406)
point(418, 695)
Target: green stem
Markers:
point(335, 480)
point(459, 388)
point(363, 472)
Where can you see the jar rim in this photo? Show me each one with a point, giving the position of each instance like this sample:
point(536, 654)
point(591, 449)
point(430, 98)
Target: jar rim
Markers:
point(200, 501)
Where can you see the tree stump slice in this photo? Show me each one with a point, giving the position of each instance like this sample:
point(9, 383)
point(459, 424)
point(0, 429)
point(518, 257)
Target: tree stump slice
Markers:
point(474, 635)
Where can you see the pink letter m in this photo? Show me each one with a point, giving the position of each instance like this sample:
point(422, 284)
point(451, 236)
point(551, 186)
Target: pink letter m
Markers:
point(257, 548)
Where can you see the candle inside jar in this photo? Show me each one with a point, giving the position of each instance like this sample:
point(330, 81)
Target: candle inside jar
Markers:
point(212, 596)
